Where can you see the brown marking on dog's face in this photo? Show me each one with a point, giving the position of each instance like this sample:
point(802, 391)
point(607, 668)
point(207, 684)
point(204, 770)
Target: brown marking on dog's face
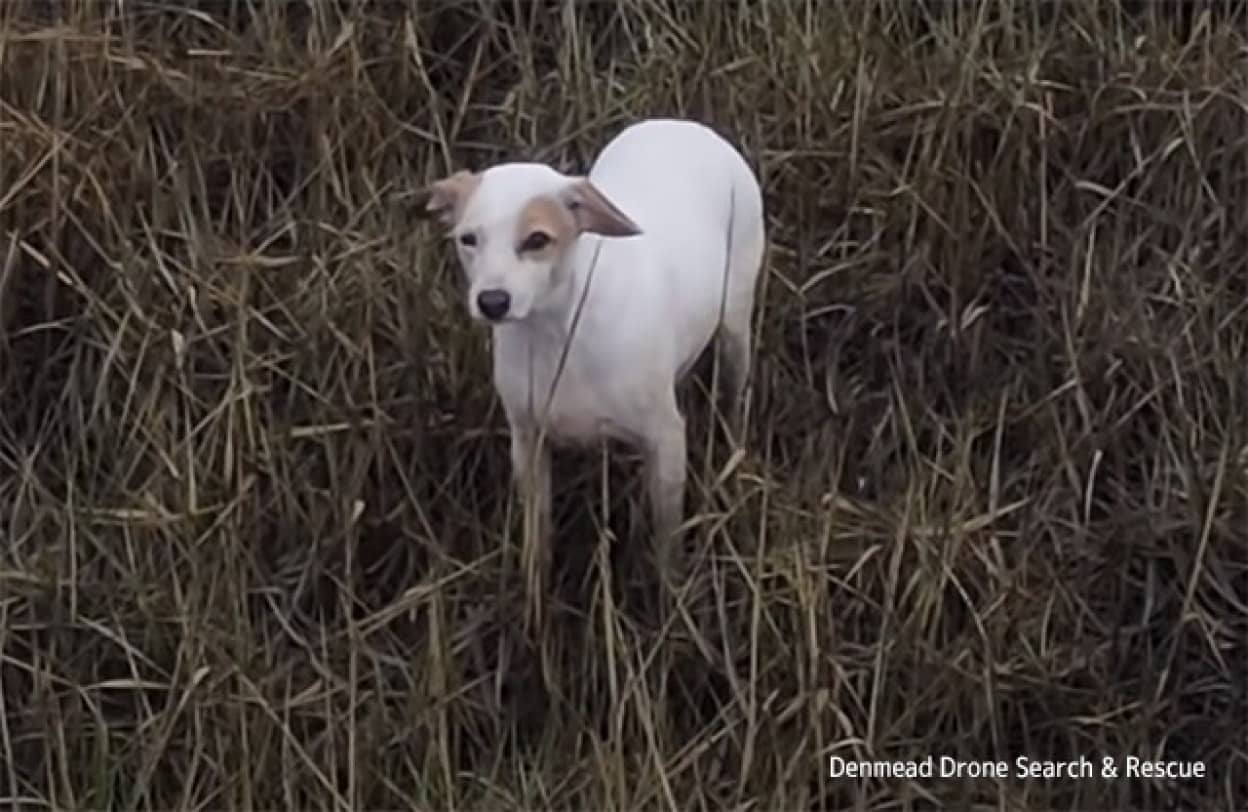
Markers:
point(596, 214)
point(544, 229)
point(449, 196)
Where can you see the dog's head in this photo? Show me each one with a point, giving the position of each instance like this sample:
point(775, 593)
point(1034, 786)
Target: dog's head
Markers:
point(513, 226)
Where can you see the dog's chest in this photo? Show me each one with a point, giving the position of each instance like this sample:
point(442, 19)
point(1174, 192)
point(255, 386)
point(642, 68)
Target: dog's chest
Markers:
point(577, 404)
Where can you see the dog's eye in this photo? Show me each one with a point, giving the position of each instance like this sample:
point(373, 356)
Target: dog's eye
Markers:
point(468, 240)
point(535, 241)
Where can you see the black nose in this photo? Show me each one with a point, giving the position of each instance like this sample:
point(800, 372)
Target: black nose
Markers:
point(493, 303)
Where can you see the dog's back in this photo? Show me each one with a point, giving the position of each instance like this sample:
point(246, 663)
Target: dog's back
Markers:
point(685, 186)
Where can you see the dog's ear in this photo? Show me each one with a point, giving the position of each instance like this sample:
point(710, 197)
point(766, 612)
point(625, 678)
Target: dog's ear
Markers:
point(446, 198)
point(596, 214)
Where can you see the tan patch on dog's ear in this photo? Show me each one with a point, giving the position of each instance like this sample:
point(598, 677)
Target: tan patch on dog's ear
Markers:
point(595, 214)
point(544, 216)
point(449, 196)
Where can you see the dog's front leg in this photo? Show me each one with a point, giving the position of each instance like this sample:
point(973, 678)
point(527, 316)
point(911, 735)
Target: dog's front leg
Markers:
point(530, 461)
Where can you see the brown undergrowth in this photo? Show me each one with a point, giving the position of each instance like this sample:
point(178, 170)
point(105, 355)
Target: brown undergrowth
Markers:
point(257, 546)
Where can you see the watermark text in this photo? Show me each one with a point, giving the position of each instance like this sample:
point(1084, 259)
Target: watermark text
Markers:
point(1022, 767)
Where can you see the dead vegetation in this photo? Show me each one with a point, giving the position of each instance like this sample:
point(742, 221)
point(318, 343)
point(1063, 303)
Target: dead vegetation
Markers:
point(256, 542)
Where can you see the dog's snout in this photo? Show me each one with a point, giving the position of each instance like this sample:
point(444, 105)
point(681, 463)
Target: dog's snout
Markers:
point(493, 303)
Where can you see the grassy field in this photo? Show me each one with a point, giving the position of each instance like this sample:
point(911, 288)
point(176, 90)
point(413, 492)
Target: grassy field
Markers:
point(257, 545)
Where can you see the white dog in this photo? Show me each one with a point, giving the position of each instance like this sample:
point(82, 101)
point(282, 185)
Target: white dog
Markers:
point(602, 291)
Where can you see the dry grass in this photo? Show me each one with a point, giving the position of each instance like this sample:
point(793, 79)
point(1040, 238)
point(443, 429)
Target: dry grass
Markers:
point(257, 547)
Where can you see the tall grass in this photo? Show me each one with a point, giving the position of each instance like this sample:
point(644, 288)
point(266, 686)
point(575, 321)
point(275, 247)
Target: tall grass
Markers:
point(257, 542)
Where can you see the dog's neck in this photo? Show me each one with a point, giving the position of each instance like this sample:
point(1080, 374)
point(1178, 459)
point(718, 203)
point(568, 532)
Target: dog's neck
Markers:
point(537, 344)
